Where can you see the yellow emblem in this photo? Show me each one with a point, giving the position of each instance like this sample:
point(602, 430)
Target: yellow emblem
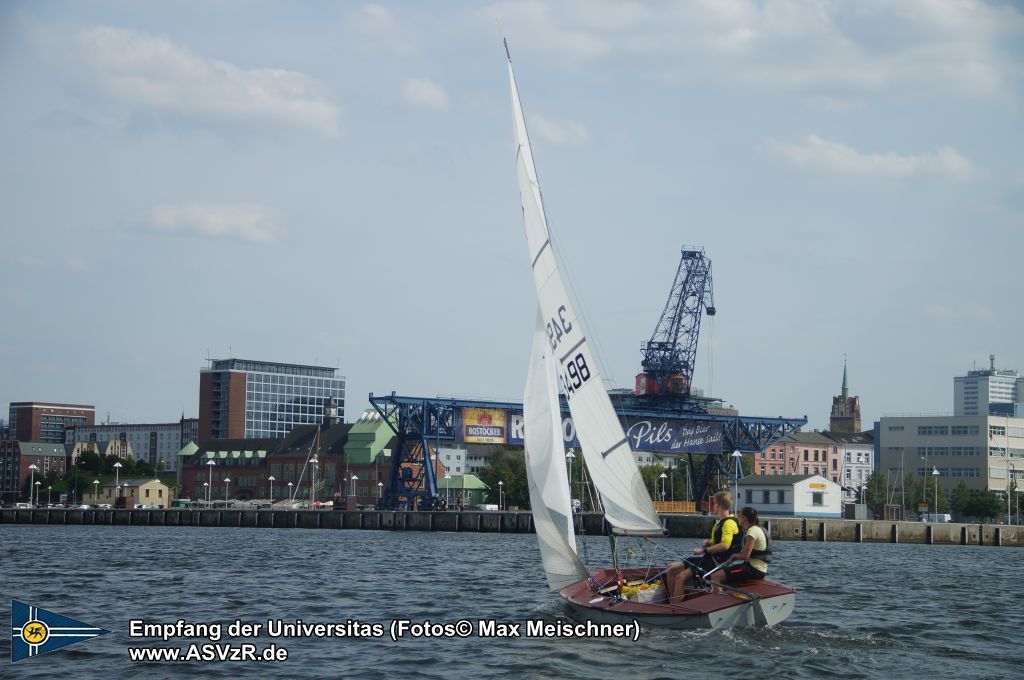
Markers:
point(35, 632)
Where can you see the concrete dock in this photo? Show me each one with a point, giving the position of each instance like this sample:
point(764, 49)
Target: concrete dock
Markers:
point(678, 526)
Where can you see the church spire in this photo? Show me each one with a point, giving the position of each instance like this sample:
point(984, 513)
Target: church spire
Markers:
point(846, 383)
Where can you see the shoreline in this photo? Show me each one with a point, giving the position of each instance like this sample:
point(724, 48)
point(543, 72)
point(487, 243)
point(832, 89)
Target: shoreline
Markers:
point(677, 526)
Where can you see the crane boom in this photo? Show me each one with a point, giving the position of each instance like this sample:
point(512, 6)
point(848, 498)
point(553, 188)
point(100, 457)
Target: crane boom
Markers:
point(669, 356)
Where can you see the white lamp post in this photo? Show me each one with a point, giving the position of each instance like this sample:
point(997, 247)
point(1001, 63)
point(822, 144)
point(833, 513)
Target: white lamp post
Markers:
point(663, 477)
point(227, 482)
point(447, 488)
point(312, 487)
point(95, 491)
point(353, 479)
point(736, 458)
point(1009, 476)
point(380, 490)
point(32, 482)
point(50, 488)
point(935, 500)
point(271, 480)
point(117, 475)
point(209, 466)
point(117, 493)
point(206, 486)
point(569, 456)
point(291, 495)
point(37, 485)
point(501, 491)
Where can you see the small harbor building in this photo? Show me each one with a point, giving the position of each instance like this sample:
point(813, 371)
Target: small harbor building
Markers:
point(791, 495)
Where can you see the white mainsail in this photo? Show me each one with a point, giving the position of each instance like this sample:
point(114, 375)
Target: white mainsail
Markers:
point(627, 504)
point(545, 469)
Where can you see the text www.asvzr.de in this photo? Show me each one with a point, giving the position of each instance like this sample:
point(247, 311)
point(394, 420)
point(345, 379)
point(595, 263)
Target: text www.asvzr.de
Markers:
point(209, 652)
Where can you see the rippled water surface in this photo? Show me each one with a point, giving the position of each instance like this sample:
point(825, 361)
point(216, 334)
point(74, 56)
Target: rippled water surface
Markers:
point(863, 611)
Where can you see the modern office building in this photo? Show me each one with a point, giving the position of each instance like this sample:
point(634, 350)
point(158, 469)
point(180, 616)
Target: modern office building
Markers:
point(982, 451)
point(845, 416)
point(239, 398)
point(151, 442)
point(989, 392)
point(33, 421)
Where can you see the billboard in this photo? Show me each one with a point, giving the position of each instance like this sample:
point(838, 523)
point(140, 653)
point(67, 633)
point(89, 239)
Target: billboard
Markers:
point(654, 435)
point(483, 426)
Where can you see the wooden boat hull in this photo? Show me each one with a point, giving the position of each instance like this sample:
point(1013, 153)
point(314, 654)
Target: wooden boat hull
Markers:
point(702, 610)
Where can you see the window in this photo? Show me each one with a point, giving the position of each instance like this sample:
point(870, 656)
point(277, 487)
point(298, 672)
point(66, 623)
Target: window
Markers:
point(147, 493)
point(807, 455)
point(805, 470)
point(932, 430)
point(817, 498)
point(815, 455)
point(780, 497)
point(750, 496)
point(835, 464)
point(895, 428)
point(766, 496)
point(847, 456)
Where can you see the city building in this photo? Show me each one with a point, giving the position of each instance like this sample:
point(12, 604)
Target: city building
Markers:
point(981, 451)
point(147, 492)
point(34, 421)
point(5, 432)
point(241, 399)
point(468, 488)
point(16, 459)
point(155, 443)
point(845, 417)
point(801, 453)
point(856, 453)
point(792, 495)
point(997, 392)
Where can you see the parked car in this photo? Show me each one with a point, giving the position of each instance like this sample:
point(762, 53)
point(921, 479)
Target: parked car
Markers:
point(83, 507)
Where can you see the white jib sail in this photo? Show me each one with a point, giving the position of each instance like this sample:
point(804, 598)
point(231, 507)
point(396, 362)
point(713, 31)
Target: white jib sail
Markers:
point(627, 504)
point(545, 469)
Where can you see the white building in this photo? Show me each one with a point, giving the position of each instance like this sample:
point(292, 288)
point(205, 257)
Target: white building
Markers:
point(856, 453)
point(988, 392)
point(454, 460)
point(981, 451)
point(151, 442)
point(792, 495)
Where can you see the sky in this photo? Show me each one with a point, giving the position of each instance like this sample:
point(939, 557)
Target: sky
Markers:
point(334, 183)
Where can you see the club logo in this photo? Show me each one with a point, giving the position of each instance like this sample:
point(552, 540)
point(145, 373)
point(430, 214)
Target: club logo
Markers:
point(36, 631)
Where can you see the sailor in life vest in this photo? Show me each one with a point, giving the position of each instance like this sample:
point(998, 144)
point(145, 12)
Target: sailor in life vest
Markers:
point(755, 555)
point(724, 541)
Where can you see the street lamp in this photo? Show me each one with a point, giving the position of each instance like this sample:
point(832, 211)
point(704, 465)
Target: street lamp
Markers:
point(117, 475)
point(737, 457)
point(227, 482)
point(271, 480)
point(569, 456)
point(380, 490)
point(38, 484)
point(353, 479)
point(501, 490)
point(863, 488)
point(117, 493)
point(32, 482)
point(935, 500)
point(206, 485)
point(663, 477)
point(50, 488)
point(96, 491)
point(1010, 475)
point(209, 465)
point(312, 493)
point(291, 496)
point(447, 488)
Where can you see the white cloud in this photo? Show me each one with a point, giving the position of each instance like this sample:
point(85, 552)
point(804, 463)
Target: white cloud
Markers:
point(564, 132)
point(425, 93)
point(31, 262)
point(153, 73)
point(815, 153)
point(77, 264)
point(824, 46)
point(243, 221)
point(375, 29)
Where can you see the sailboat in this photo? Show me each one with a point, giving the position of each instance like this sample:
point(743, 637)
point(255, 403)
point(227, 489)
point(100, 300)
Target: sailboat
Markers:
point(562, 356)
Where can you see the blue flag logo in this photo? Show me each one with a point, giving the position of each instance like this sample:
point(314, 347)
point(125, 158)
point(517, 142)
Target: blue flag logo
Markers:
point(36, 631)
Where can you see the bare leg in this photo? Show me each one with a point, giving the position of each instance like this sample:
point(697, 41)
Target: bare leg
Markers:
point(675, 582)
point(718, 577)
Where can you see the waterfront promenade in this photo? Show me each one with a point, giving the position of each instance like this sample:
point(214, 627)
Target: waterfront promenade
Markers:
point(677, 526)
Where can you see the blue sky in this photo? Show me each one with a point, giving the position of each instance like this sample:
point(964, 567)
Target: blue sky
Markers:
point(334, 183)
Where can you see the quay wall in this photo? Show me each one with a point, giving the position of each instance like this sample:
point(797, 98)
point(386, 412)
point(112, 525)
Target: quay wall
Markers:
point(678, 526)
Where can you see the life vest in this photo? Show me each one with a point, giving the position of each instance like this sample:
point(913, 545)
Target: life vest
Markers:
point(737, 538)
point(766, 554)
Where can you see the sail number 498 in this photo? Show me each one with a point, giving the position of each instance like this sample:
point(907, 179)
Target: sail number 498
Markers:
point(576, 372)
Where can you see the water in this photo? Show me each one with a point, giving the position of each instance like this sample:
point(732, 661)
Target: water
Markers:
point(863, 611)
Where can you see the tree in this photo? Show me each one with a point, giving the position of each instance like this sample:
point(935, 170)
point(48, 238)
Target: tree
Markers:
point(985, 505)
point(507, 466)
point(877, 492)
point(143, 468)
point(960, 500)
point(651, 475)
point(90, 462)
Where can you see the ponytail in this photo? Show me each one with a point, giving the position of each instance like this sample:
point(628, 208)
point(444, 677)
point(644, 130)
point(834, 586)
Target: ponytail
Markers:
point(750, 514)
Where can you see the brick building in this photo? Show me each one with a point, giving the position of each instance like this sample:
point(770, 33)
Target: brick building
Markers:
point(35, 421)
